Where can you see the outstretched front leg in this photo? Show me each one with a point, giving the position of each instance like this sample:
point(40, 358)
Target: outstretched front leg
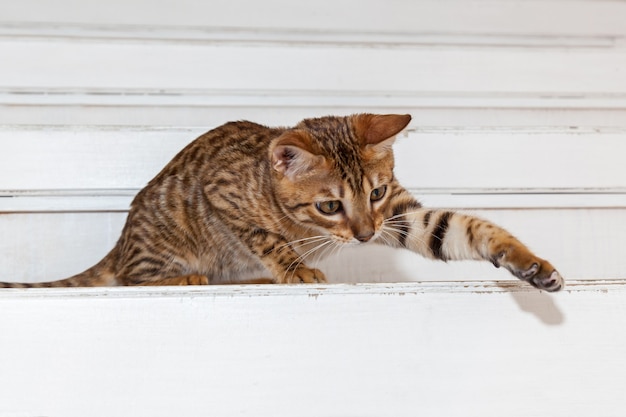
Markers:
point(447, 235)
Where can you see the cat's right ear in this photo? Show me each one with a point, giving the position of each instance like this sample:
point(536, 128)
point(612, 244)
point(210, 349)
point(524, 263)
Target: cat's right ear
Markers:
point(291, 158)
point(376, 129)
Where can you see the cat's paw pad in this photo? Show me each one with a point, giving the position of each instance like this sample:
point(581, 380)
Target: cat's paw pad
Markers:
point(530, 272)
point(305, 275)
point(552, 282)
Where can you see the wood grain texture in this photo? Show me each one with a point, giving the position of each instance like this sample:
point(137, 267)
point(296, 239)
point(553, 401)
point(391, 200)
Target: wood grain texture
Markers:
point(552, 17)
point(80, 81)
point(583, 243)
point(558, 158)
point(372, 350)
point(95, 65)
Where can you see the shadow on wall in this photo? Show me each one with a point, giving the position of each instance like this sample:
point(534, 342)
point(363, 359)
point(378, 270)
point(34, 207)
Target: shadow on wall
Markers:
point(541, 305)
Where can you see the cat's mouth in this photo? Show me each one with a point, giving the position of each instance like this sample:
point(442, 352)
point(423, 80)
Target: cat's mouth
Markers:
point(357, 240)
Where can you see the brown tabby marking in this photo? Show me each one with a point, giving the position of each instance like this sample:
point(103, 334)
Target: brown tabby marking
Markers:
point(249, 203)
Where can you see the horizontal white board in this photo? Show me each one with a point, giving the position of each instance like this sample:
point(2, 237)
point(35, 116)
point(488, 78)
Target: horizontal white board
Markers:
point(324, 99)
point(557, 18)
point(75, 157)
point(455, 63)
point(70, 158)
point(131, 107)
point(581, 243)
point(511, 158)
point(107, 64)
point(484, 350)
point(54, 201)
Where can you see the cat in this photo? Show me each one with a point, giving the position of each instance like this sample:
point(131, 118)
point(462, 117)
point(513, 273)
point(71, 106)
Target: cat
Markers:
point(246, 200)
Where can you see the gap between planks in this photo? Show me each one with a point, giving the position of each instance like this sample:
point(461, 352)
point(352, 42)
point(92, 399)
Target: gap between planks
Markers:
point(314, 290)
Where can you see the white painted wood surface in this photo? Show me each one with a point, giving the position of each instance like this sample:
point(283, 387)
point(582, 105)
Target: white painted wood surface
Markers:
point(449, 63)
point(455, 159)
point(577, 197)
point(519, 115)
point(369, 350)
point(516, 105)
point(559, 18)
point(47, 246)
point(88, 65)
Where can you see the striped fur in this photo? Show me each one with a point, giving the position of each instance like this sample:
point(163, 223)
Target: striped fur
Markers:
point(249, 203)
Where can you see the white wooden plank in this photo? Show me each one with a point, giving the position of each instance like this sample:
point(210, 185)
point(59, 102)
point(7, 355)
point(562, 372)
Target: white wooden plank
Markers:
point(134, 97)
point(296, 350)
point(510, 158)
point(303, 36)
point(48, 246)
point(48, 158)
point(582, 243)
point(552, 111)
point(97, 64)
point(61, 202)
point(119, 200)
point(553, 17)
point(549, 198)
point(77, 158)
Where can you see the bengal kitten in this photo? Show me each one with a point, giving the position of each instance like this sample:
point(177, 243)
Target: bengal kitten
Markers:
point(245, 200)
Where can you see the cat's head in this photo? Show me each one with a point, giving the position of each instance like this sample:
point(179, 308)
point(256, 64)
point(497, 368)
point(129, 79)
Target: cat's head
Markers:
point(334, 175)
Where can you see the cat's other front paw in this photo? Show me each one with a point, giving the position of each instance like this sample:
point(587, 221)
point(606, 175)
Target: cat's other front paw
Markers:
point(195, 280)
point(304, 275)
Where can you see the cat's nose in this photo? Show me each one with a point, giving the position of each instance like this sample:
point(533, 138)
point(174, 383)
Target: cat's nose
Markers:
point(364, 236)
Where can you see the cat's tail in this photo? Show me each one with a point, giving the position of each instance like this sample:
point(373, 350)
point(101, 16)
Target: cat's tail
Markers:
point(99, 275)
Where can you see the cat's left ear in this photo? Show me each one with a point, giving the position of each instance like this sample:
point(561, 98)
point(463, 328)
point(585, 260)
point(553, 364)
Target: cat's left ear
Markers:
point(379, 130)
point(292, 156)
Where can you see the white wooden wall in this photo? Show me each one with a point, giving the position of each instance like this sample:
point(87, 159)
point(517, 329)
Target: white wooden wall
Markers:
point(519, 115)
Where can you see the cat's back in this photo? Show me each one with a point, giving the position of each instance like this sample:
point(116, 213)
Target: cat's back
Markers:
point(230, 144)
point(233, 153)
point(238, 136)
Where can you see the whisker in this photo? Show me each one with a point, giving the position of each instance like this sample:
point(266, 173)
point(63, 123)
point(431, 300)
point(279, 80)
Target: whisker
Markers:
point(404, 214)
point(384, 237)
point(389, 237)
point(392, 231)
point(300, 259)
point(327, 248)
point(304, 241)
point(385, 224)
point(412, 221)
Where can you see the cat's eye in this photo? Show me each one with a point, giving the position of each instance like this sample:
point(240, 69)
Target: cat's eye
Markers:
point(329, 207)
point(378, 193)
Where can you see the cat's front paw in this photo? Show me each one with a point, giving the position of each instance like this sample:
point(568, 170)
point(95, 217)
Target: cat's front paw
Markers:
point(537, 272)
point(304, 275)
point(542, 276)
